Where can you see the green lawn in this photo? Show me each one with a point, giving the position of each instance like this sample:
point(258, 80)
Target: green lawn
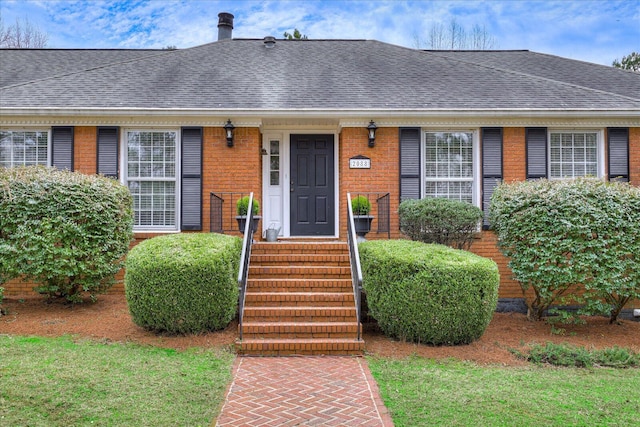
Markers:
point(424, 392)
point(60, 382)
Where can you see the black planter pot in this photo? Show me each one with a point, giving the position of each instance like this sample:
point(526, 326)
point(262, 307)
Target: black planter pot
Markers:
point(242, 221)
point(362, 224)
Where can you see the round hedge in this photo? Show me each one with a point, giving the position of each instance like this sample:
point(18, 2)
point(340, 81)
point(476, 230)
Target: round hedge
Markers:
point(428, 293)
point(183, 283)
point(65, 231)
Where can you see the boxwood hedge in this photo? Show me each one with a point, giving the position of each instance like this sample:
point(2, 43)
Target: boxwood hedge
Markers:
point(428, 293)
point(439, 220)
point(183, 283)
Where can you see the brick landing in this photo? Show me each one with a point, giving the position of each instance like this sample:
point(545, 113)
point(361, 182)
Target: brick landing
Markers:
point(303, 391)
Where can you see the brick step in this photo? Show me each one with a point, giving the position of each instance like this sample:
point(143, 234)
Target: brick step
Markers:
point(269, 330)
point(299, 272)
point(297, 285)
point(322, 248)
point(300, 346)
point(293, 259)
point(309, 299)
point(299, 314)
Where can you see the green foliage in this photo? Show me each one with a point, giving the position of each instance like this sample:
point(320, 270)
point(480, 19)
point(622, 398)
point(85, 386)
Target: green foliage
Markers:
point(360, 205)
point(66, 231)
point(428, 293)
point(242, 206)
point(569, 235)
point(630, 62)
point(438, 220)
point(569, 355)
point(183, 283)
point(297, 35)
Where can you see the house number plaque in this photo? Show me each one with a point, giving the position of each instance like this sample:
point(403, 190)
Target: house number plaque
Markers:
point(359, 162)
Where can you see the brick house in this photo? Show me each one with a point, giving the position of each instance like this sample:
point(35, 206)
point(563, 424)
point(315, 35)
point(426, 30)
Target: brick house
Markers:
point(298, 114)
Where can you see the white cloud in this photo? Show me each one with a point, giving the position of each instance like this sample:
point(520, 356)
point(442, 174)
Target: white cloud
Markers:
point(593, 30)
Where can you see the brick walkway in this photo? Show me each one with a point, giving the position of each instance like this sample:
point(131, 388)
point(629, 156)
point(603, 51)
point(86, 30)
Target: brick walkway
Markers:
point(303, 391)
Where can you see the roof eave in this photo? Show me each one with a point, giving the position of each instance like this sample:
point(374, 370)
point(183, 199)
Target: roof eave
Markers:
point(320, 113)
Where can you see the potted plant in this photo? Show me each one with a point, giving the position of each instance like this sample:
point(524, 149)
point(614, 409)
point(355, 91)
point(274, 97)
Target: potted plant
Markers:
point(242, 206)
point(360, 207)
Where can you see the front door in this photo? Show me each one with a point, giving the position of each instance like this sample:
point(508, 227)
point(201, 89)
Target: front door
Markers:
point(312, 185)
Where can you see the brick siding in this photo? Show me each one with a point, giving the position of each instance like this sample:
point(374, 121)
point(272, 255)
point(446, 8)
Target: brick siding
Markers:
point(239, 169)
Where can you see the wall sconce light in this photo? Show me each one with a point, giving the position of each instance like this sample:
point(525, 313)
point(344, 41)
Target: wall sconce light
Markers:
point(229, 127)
point(372, 133)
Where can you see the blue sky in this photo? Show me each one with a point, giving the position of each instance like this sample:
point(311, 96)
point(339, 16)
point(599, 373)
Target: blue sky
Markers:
point(596, 31)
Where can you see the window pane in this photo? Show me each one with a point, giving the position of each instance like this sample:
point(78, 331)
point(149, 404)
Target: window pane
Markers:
point(573, 154)
point(449, 165)
point(274, 147)
point(151, 171)
point(23, 148)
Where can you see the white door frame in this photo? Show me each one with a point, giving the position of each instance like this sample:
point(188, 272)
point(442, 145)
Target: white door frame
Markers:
point(277, 201)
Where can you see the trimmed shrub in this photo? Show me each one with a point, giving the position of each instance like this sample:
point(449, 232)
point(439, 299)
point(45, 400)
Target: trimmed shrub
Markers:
point(183, 283)
point(568, 235)
point(360, 205)
point(438, 220)
point(430, 294)
point(64, 230)
point(242, 206)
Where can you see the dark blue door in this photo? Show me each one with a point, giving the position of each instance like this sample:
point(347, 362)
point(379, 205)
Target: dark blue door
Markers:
point(312, 185)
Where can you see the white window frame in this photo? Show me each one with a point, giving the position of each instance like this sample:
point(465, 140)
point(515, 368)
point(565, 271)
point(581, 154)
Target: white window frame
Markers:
point(124, 139)
point(600, 155)
point(47, 131)
point(476, 165)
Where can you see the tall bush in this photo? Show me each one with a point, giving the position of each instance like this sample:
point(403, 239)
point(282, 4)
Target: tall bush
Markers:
point(431, 294)
point(438, 220)
point(568, 235)
point(183, 283)
point(66, 231)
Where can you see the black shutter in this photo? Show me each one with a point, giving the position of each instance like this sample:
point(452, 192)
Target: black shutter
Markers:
point(62, 147)
point(536, 140)
point(409, 163)
point(107, 149)
point(491, 167)
point(191, 196)
point(618, 154)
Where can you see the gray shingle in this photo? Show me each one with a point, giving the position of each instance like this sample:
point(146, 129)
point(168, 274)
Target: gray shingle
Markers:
point(323, 75)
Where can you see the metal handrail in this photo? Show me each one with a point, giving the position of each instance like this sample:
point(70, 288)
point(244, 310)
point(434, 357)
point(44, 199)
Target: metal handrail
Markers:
point(243, 272)
point(354, 257)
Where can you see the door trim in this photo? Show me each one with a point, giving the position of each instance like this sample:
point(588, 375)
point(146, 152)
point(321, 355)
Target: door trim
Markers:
point(285, 167)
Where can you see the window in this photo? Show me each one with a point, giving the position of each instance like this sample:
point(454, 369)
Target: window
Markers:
point(573, 154)
point(151, 177)
point(274, 162)
point(449, 171)
point(24, 148)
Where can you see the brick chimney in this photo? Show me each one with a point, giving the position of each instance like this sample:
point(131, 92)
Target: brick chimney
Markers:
point(225, 25)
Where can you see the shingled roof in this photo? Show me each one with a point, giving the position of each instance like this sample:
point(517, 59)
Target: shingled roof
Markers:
point(310, 75)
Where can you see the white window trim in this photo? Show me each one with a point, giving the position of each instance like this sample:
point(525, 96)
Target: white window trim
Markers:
point(124, 176)
point(476, 190)
point(35, 129)
point(599, 146)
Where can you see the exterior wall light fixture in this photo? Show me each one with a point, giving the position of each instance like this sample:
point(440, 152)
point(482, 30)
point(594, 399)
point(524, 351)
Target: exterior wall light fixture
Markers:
point(229, 127)
point(372, 133)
